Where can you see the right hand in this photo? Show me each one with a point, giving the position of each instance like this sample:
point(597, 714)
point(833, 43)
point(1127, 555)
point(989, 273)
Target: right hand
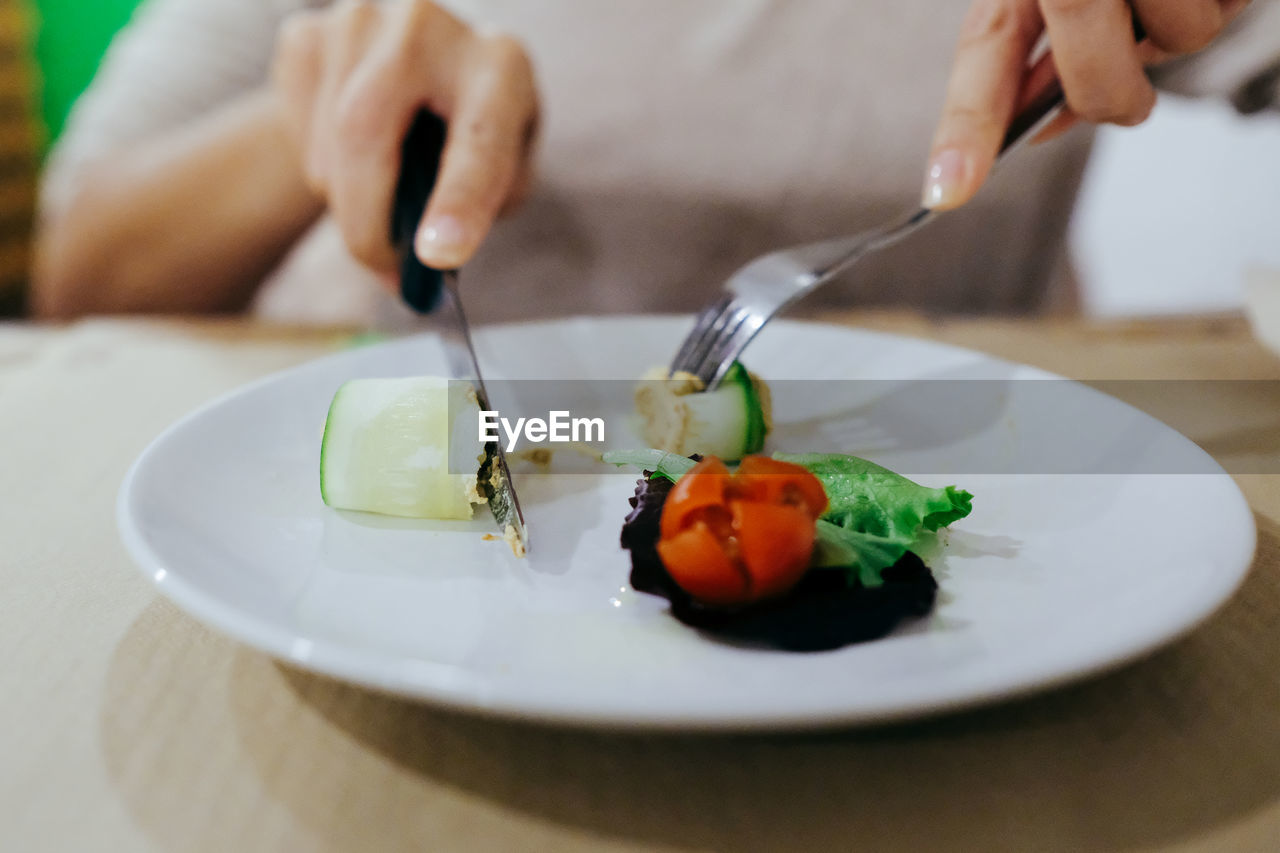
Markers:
point(1092, 53)
point(351, 79)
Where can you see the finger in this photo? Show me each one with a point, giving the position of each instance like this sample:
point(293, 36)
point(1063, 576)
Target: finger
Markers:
point(348, 32)
point(410, 64)
point(1058, 125)
point(522, 185)
point(1231, 9)
point(1180, 26)
point(995, 41)
point(296, 70)
point(1044, 73)
point(1097, 60)
point(1151, 54)
point(490, 135)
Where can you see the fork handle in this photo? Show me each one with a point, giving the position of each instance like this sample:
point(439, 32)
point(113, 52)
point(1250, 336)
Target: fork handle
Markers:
point(1044, 106)
point(768, 285)
point(1042, 110)
point(1036, 115)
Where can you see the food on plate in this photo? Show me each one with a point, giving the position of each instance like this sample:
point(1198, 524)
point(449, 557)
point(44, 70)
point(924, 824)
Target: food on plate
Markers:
point(875, 516)
point(801, 552)
point(677, 415)
point(405, 447)
point(732, 539)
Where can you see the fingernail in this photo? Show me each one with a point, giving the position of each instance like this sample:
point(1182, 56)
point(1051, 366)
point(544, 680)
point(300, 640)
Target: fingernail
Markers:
point(442, 242)
point(946, 178)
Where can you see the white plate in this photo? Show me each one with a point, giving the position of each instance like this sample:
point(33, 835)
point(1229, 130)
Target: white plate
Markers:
point(1053, 576)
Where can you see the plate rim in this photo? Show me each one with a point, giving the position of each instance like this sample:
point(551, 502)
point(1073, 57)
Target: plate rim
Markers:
point(455, 689)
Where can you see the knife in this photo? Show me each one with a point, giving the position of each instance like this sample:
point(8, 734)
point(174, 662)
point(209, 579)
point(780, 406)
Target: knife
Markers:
point(431, 291)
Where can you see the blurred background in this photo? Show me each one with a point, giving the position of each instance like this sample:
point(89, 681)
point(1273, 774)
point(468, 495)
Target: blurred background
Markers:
point(1175, 216)
point(49, 50)
point(1178, 214)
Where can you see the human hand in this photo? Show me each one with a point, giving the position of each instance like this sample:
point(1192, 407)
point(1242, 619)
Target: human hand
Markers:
point(350, 80)
point(1092, 52)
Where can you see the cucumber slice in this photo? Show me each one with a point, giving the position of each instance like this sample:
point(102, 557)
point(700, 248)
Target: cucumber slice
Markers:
point(406, 447)
point(756, 402)
point(678, 416)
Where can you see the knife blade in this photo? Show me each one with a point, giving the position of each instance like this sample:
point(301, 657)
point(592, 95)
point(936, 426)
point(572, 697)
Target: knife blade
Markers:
point(431, 291)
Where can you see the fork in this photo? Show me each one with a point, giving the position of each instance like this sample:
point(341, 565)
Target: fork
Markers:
point(766, 286)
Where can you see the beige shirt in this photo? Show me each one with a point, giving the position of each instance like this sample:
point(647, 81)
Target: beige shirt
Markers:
point(681, 140)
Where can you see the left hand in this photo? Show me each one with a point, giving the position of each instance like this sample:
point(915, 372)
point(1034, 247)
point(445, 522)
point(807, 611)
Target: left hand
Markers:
point(1093, 53)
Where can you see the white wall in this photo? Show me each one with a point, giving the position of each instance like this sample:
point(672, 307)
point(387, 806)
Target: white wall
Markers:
point(1174, 212)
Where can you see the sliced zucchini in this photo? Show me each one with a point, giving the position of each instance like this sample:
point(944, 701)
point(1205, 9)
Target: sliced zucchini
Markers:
point(676, 415)
point(406, 447)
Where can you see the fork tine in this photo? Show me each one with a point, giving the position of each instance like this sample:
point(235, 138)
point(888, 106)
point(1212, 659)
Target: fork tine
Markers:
point(730, 345)
point(764, 287)
point(709, 367)
point(723, 325)
point(699, 338)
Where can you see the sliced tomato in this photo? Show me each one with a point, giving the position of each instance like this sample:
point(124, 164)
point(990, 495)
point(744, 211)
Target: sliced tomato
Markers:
point(736, 539)
point(696, 561)
point(702, 486)
point(773, 481)
point(776, 544)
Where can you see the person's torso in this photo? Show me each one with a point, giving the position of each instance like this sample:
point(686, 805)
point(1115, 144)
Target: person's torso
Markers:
point(682, 139)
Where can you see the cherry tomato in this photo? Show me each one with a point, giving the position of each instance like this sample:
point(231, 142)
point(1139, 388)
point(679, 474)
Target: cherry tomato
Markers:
point(733, 539)
point(702, 568)
point(692, 495)
point(772, 481)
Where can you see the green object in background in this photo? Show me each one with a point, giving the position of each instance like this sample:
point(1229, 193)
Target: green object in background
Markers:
point(72, 37)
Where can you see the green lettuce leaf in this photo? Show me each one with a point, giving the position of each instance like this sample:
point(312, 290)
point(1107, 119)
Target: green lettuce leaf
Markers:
point(874, 516)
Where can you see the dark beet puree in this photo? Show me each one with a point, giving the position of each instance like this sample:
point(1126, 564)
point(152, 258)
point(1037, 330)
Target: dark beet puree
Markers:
point(824, 611)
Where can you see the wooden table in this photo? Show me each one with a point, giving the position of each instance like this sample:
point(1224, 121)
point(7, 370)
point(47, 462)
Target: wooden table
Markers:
point(125, 725)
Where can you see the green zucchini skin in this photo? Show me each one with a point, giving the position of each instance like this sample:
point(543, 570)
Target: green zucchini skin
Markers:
point(730, 422)
point(754, 406)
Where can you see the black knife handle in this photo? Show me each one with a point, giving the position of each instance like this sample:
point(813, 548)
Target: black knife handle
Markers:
point(420, 285)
